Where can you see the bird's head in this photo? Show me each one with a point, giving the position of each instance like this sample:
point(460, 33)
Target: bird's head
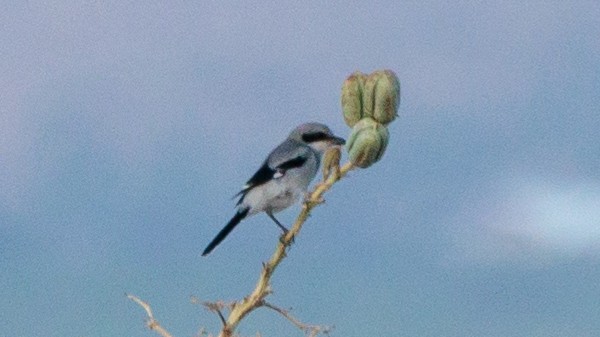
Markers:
point(317, 136)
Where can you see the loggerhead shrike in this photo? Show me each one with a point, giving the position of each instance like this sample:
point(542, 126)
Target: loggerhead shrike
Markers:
point(283, 177)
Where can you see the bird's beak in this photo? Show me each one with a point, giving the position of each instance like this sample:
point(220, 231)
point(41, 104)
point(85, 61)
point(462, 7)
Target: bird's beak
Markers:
point(337, 140)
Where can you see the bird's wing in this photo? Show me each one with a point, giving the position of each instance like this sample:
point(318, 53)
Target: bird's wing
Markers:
point(291, 163)
point(264, 174)
point(286, 156)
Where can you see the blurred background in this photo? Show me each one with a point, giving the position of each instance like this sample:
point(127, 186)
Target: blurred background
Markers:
point(126, 127)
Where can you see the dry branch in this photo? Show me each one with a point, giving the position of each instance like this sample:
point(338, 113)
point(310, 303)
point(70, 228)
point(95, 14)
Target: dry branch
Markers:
point(151, 322)
point(239, 310)
point(262, 289)
point(310, 330)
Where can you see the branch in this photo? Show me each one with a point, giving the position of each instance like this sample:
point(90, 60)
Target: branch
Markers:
point(216, 307)
point(262, 289)
point(151, 323)
point(310, 330)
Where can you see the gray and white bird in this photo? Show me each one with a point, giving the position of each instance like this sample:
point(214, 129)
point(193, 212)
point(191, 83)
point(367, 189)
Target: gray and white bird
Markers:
point(283, 177)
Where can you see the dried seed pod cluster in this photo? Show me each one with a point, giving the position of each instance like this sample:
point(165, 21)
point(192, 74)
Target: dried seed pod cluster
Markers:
point(369, 104)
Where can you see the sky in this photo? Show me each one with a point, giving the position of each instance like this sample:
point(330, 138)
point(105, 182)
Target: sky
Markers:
point(126, 128)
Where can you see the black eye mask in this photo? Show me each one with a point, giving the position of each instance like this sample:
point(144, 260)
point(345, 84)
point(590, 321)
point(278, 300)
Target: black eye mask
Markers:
point(314, 137)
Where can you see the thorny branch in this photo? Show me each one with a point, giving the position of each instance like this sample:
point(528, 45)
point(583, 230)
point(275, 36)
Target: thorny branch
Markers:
point(263, 288)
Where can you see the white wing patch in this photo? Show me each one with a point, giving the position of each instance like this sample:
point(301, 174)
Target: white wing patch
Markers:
point(278, 174)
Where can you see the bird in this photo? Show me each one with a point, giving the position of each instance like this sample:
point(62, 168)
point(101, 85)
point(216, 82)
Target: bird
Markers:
point(282, 178)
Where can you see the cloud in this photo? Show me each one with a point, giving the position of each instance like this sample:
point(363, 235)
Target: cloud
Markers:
point(531, 221)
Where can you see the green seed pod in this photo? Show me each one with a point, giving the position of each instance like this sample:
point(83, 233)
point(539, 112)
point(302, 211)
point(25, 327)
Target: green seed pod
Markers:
point(387, 97)
point(368, 95)
point(381, 96)
point(367, 142)
point(352, 92)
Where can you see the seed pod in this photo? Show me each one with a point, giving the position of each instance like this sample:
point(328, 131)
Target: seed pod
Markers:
point(368, 95)
point(387, 97)
point(381, 96)
point(331, 162)
point(367, 142)
point(352, 92)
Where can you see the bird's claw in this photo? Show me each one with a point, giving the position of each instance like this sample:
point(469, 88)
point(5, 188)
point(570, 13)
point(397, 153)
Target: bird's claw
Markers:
point(314, 202)
point(283, 236)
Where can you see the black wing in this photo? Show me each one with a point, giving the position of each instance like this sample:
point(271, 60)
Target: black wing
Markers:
point(266, 173)
point(292, 163)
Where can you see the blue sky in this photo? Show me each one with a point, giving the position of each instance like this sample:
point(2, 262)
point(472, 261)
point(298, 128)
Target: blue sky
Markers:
point(126, 127)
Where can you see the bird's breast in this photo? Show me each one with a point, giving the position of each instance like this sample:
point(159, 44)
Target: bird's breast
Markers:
point(281, 192)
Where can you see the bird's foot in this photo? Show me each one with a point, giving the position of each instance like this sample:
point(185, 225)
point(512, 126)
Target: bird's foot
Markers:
point(283, 236)
point(312, 202)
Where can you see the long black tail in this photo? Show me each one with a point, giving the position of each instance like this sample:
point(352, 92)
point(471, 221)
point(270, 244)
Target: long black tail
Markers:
point(241, 214)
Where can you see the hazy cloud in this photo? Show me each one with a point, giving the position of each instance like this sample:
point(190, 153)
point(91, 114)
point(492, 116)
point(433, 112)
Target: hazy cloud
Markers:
point(531, 221)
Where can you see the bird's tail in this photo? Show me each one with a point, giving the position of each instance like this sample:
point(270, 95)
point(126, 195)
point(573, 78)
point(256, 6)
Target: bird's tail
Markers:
point(239, 216)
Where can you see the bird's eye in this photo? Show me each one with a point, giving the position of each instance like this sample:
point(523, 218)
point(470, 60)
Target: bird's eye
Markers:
point(314, 137)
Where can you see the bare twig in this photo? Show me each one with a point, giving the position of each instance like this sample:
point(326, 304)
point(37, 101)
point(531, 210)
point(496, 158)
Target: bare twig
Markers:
point(216, 307)
point(262, 289)
point(151, 322)
point(310, 330)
